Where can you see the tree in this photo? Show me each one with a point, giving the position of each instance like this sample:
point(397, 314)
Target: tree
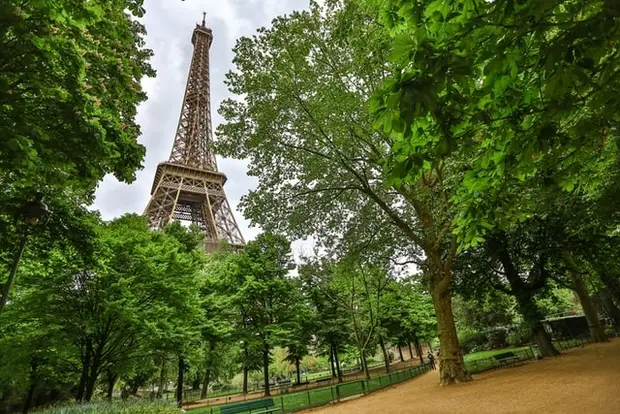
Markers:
point(305, 128)
point(70, 78)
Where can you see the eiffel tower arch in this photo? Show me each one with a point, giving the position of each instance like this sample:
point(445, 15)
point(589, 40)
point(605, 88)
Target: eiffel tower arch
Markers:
point(189, 187)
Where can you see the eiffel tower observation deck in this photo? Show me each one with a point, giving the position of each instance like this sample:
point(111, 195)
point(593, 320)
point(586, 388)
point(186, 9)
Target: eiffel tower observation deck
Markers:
point(189, 187)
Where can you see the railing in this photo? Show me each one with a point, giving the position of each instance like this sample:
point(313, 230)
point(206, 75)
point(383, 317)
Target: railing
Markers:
point(298, 401)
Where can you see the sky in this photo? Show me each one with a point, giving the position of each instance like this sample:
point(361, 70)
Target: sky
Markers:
point(170, 24)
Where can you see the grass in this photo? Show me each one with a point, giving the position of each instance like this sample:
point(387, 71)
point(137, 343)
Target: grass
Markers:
point(125, 407)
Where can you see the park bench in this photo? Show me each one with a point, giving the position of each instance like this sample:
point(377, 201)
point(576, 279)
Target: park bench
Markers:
point(264, 405)
point(506, 358)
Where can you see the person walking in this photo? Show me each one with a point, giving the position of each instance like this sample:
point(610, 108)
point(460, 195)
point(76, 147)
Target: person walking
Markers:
point(431, 360)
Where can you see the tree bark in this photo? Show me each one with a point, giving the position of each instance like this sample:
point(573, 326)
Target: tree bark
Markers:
point(524, 295)
point(331, 360)
point(266, 369)
point(418, 349)
point(181, 372)
point(400, 353)
point(298, 369)
point(32, 387)
point(364, 364)
point(451, 364)
point(386, 358)
point(93, 375)
point(85, 368)
point(410, 350)
point(610, 307)
point(162, 379)
point(597, 333)
point(111, 380)
point(205, 383)
point(337, 362)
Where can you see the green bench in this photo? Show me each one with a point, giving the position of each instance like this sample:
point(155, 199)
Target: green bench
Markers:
point(264, 405)
point(506, 358)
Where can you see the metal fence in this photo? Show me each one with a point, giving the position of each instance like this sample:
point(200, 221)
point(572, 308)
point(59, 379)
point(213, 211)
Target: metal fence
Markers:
point(289, 403)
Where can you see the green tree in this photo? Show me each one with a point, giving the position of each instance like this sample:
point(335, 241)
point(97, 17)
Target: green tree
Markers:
point(70, 77)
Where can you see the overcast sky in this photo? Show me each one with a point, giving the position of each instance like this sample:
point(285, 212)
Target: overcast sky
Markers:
point(170, 24)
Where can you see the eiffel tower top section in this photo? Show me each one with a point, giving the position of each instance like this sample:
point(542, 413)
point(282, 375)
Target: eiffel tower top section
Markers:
point(192, 142)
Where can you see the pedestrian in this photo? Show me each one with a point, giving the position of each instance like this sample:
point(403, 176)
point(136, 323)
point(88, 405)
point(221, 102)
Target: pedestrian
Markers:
point(431, 360)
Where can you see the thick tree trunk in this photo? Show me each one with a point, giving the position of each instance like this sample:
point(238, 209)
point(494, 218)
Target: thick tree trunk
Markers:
point(410, 350)
point(205, 383)
point(386, 358)
point(451, 365)
point(298, 369)
point(266, 370)
point(337, 362)
point(596, 330)
point(180, 374)
point(111, 380)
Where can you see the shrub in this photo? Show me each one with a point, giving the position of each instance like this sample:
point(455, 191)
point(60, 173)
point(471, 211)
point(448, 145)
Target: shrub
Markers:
point(126, 407)
point(518, 336)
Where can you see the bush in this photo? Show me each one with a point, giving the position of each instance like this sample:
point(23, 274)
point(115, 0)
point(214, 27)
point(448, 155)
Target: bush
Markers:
point(483, 341)
point(137, 407)
point(518, 336)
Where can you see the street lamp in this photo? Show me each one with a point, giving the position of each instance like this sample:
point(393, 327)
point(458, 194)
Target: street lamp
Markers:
point(32, 212)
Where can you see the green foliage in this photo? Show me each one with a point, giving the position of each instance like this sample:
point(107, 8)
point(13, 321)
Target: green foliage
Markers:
point(114, 408)
point(523, 91)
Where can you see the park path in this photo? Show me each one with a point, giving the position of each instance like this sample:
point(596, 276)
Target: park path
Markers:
point(584, 380)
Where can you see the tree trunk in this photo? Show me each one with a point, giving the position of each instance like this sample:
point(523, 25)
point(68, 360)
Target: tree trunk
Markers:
point(111, 380)
point(410, 350)
point(451, 365)
point(298, 369)
point(386, 359)
point(596, 330)
point(524, 295)
point(85, 368)
point(92, 377)
point(205, 384)
point(418, 349)
point(266, 369)
point(400, 353)
point(180, 374)
point(245, 369)
point(364, 363)
point(337, 362)
point(610, 307)
point(612, 282)
point(162, 379)
point(29, 397)
point(430, 347)
point(331, 360)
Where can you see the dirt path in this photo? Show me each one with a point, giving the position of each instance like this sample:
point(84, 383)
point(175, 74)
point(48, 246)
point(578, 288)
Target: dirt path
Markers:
point(584, 380)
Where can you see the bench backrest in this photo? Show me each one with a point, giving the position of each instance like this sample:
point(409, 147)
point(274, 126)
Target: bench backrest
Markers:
point(246, 406)
point(504, 355)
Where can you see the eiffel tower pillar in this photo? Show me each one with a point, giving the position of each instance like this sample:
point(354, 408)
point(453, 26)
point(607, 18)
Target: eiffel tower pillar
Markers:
point(189, 187)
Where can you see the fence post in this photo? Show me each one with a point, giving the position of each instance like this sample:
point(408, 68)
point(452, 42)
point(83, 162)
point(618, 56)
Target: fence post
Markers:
point(338, 392)
point(380, 380)
point(309, 403)
point(281, 403)
point(332, 389)
point(363, 387)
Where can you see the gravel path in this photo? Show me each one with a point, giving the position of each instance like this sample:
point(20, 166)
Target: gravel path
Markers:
point(583, 380)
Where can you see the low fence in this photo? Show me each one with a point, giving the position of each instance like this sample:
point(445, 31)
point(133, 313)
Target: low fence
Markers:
point(298, 401)
point(523, 355)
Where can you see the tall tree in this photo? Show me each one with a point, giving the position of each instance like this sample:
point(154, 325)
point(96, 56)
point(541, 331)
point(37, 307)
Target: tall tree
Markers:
point(305, 128)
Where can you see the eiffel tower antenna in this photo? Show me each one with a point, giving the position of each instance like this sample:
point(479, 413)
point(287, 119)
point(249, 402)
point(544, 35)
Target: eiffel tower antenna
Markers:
point(189, 187)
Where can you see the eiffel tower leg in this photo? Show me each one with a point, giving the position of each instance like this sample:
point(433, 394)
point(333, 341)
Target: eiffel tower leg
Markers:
point(160, 208)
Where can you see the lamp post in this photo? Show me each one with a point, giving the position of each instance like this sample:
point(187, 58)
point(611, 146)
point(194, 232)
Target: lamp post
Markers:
point(31, 212)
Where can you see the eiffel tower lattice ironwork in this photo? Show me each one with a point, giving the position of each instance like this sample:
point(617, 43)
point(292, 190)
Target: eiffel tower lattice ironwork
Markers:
point(188, 187)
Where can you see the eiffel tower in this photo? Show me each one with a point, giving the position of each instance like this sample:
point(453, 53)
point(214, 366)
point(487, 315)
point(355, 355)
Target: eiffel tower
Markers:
point(188, 187)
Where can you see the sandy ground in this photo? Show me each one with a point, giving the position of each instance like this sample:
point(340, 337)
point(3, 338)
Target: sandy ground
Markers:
point(583, 380)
